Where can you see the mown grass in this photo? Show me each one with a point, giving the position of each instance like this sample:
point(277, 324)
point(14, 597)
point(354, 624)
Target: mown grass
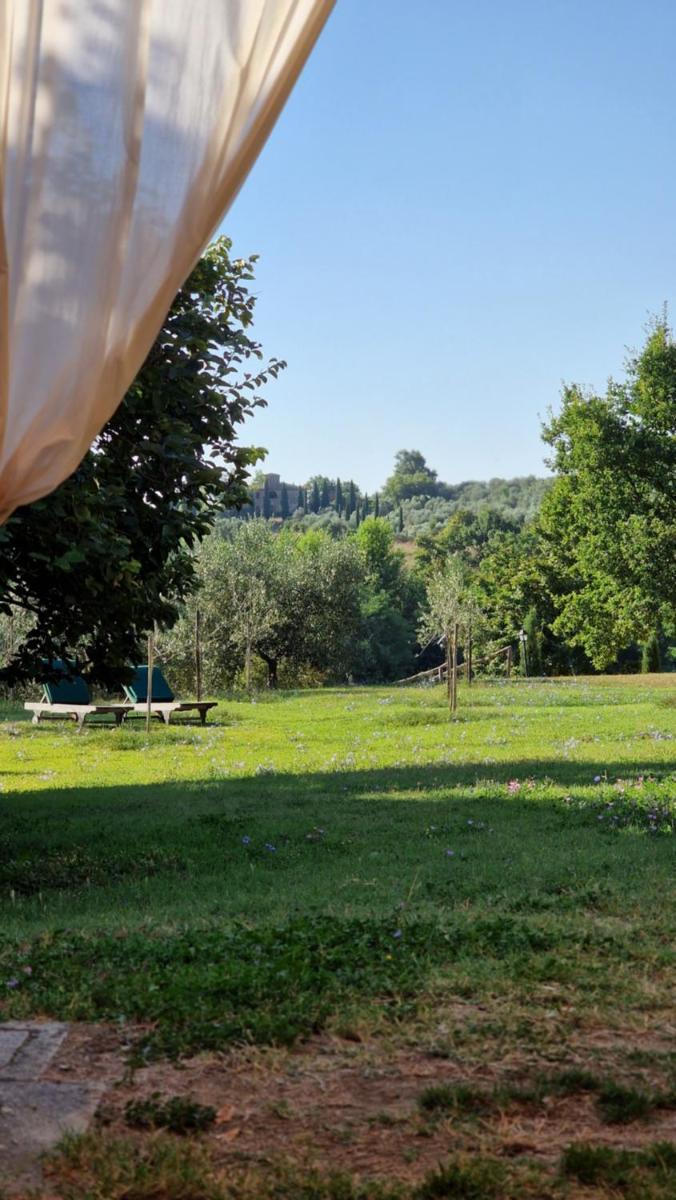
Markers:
point(313, 852)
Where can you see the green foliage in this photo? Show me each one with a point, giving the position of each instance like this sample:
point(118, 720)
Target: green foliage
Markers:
point(177, 1114)
point(610, 519)
point(411, 477)
point(293, 601)
point(110, 551)
point(465, 1179)
point(651, 657)
point(647, 1174)
point(454, 1098)
point(94, 1166)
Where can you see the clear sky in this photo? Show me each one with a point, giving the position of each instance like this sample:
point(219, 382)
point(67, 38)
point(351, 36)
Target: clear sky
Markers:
point(464, 203)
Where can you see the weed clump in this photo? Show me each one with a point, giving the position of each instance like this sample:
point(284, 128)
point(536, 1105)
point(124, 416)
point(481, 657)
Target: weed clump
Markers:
point(178, 1114)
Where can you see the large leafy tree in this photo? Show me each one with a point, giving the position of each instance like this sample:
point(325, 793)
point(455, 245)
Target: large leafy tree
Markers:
point(110, 552)
point(390, 599)
point(411, 477)
point(610, 518)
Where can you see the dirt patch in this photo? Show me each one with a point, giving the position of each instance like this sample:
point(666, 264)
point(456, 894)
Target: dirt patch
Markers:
point(355, 1106)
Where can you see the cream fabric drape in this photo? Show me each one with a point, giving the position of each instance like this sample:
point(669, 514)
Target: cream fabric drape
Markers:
point(126, 130)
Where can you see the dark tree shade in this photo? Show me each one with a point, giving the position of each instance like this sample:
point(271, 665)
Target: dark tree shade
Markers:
point(108, 553)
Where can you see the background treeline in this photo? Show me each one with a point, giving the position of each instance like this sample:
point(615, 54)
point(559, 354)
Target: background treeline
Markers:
point(414, 502)
point(573, 573)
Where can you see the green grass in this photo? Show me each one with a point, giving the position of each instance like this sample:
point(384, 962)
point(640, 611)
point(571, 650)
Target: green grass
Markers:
point(353, 845)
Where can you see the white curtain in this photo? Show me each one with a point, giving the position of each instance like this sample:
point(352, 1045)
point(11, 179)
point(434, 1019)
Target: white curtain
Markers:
point(126, 130)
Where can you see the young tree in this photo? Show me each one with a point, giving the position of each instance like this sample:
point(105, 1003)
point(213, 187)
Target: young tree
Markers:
point(445, 616)
point(107, 554)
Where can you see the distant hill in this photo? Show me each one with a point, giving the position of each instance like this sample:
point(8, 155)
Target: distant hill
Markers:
point(516, 499)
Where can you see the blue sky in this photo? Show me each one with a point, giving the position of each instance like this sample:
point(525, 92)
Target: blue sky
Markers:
point(462, 205)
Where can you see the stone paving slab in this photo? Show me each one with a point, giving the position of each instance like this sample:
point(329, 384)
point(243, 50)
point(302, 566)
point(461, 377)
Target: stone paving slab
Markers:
point(33, 1116)
point(11, 1039)
point(35, 1044)
point(34, 1112)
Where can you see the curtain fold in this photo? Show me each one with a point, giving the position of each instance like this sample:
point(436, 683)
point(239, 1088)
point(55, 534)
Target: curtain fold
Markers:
point(126, 129)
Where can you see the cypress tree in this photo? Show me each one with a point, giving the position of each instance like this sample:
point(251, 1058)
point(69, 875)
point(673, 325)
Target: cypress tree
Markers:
point(357, 515)
point(364, 507)
point(325, 497)
point(339, 498)
point(401, 519)
point(351, 501)
point(376, 506)
point(314, 502)
point(284, 503)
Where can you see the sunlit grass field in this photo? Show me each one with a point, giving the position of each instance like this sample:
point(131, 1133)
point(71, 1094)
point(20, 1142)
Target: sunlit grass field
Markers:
point(308, 856)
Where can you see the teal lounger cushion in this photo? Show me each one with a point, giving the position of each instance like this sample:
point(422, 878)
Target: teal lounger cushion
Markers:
point(137, 690)
point(70, 688)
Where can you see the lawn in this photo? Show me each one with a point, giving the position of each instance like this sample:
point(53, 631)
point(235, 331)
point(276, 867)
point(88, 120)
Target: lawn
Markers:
point(352, 861)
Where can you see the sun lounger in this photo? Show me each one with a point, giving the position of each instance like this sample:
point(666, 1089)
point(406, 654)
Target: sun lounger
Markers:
point(163, 703)
point(69, 699)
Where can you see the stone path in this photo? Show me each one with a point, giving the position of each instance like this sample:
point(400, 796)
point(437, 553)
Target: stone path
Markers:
point(35, 1112)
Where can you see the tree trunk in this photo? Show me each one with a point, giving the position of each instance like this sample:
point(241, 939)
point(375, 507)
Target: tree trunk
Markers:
point(247, 667)
point(271, 664)
point(509, 662)
point(469, 655)
point(449, 677)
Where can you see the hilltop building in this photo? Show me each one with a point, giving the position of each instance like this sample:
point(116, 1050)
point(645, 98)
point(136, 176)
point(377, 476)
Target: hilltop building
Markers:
point(274, 484)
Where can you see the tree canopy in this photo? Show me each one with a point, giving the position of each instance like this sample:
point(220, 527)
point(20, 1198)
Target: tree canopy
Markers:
point(109, 553)
point(411, 477)
point(610, 518)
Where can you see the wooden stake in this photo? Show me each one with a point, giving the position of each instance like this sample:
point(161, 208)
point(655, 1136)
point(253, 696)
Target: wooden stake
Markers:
point(509, 662)
point(149, 689)
point(469, 654)
point(198, 654)
point(454, 687)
